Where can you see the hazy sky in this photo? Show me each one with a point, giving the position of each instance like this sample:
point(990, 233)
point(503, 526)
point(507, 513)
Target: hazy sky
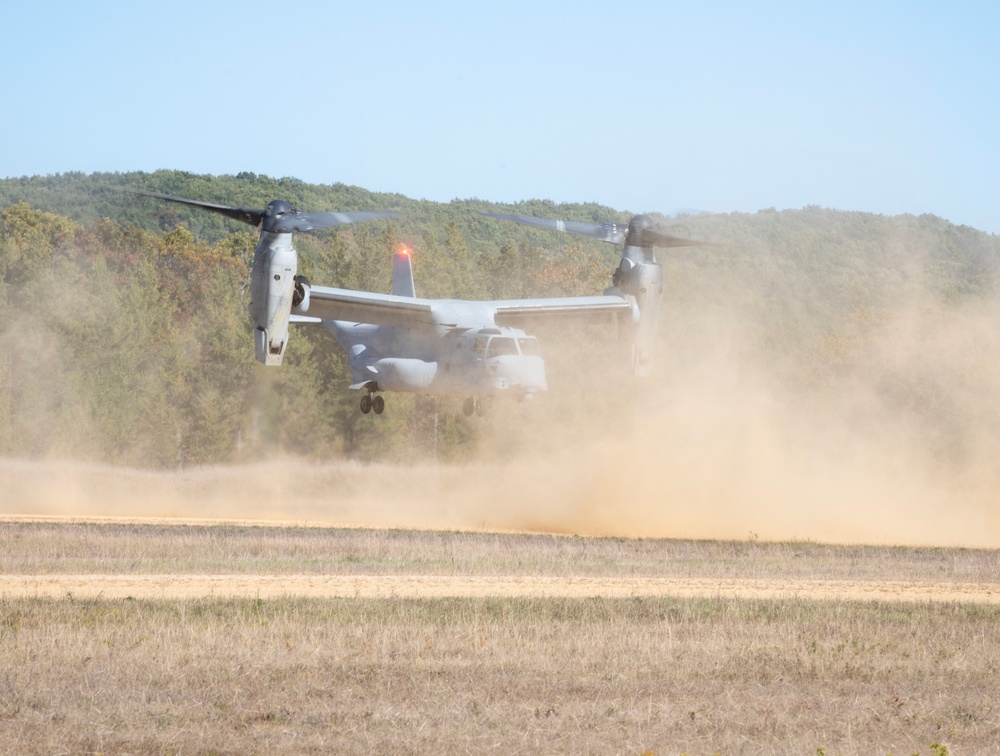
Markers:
point(885, 107)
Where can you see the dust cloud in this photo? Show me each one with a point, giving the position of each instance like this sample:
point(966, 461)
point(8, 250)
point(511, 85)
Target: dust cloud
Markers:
point(888, 435)
point(879, 425)
point(895, 443)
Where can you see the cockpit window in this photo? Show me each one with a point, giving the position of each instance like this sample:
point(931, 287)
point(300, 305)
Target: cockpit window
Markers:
point(529, 346)
point(500, 346)
point(480, 347)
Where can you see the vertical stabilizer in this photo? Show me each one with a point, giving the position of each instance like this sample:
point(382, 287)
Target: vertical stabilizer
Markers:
point(402, 274)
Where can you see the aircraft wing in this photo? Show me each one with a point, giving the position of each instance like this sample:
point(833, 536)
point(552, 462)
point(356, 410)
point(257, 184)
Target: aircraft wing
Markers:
point(391, 310)
point(515, 311)
point(367, 307)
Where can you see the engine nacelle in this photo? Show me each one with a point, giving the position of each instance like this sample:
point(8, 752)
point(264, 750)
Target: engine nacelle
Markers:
point(272, 292)
point(641, 277)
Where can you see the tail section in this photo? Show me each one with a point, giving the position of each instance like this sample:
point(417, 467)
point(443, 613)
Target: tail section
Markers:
point(402, 274)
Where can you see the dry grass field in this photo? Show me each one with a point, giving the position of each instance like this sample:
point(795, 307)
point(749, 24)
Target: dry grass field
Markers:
point(802, 659)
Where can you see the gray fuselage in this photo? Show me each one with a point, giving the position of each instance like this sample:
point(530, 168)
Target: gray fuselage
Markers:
point(442, 359)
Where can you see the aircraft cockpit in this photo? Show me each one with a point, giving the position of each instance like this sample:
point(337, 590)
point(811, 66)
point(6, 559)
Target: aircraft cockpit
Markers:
point(488, 346)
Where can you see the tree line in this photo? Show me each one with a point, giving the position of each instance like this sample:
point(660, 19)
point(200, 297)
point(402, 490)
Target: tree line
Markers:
point(125, 339)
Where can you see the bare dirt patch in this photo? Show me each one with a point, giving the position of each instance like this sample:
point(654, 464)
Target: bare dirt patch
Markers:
point(172, 587)
point(146, 634)
point(171, 559)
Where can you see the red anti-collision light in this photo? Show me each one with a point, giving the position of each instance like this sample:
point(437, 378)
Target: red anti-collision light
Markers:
point(403, 250)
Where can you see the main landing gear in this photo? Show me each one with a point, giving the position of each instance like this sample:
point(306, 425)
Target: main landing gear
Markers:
point(372, 403)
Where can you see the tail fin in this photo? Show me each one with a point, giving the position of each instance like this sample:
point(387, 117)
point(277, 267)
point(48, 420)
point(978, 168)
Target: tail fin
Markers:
point(402, 274)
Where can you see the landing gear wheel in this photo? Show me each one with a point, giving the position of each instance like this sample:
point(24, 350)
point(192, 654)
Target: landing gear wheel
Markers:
point(378, 404)
point(366, 404)
point(469, 406)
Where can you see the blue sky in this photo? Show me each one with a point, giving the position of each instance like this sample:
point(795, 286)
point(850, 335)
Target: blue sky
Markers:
point(884, 107)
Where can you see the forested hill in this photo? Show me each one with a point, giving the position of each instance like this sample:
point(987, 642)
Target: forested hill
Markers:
point(124, 335)
point(86, 198)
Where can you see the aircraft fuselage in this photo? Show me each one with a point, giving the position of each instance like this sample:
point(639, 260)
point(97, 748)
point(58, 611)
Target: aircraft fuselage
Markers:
point(442, 359)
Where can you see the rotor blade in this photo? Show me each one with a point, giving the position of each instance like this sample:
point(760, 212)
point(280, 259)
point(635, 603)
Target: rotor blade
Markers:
point(655, 238)
point(309, 221)
point(245, 214)
point(607, 232)
point(639, 232)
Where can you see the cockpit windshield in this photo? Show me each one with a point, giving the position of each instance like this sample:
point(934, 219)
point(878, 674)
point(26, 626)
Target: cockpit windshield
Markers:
point(529, 346)
point(501, 346)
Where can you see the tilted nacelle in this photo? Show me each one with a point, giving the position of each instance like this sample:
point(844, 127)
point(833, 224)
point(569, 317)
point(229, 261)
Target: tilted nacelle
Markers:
point(641, 277)
point(273, 289)
point(638, 276)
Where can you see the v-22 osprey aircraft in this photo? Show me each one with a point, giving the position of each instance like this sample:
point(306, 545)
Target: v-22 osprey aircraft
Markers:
point(401, 342)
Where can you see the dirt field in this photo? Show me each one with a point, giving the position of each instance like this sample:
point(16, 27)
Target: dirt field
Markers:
point(535, 566)
point(172, 587)
point(145, 636)
point(210, 613)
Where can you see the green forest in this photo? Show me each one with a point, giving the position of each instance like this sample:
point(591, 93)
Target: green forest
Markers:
point(124, 337)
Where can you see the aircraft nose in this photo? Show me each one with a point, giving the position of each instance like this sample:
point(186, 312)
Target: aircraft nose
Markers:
point(520, 372)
